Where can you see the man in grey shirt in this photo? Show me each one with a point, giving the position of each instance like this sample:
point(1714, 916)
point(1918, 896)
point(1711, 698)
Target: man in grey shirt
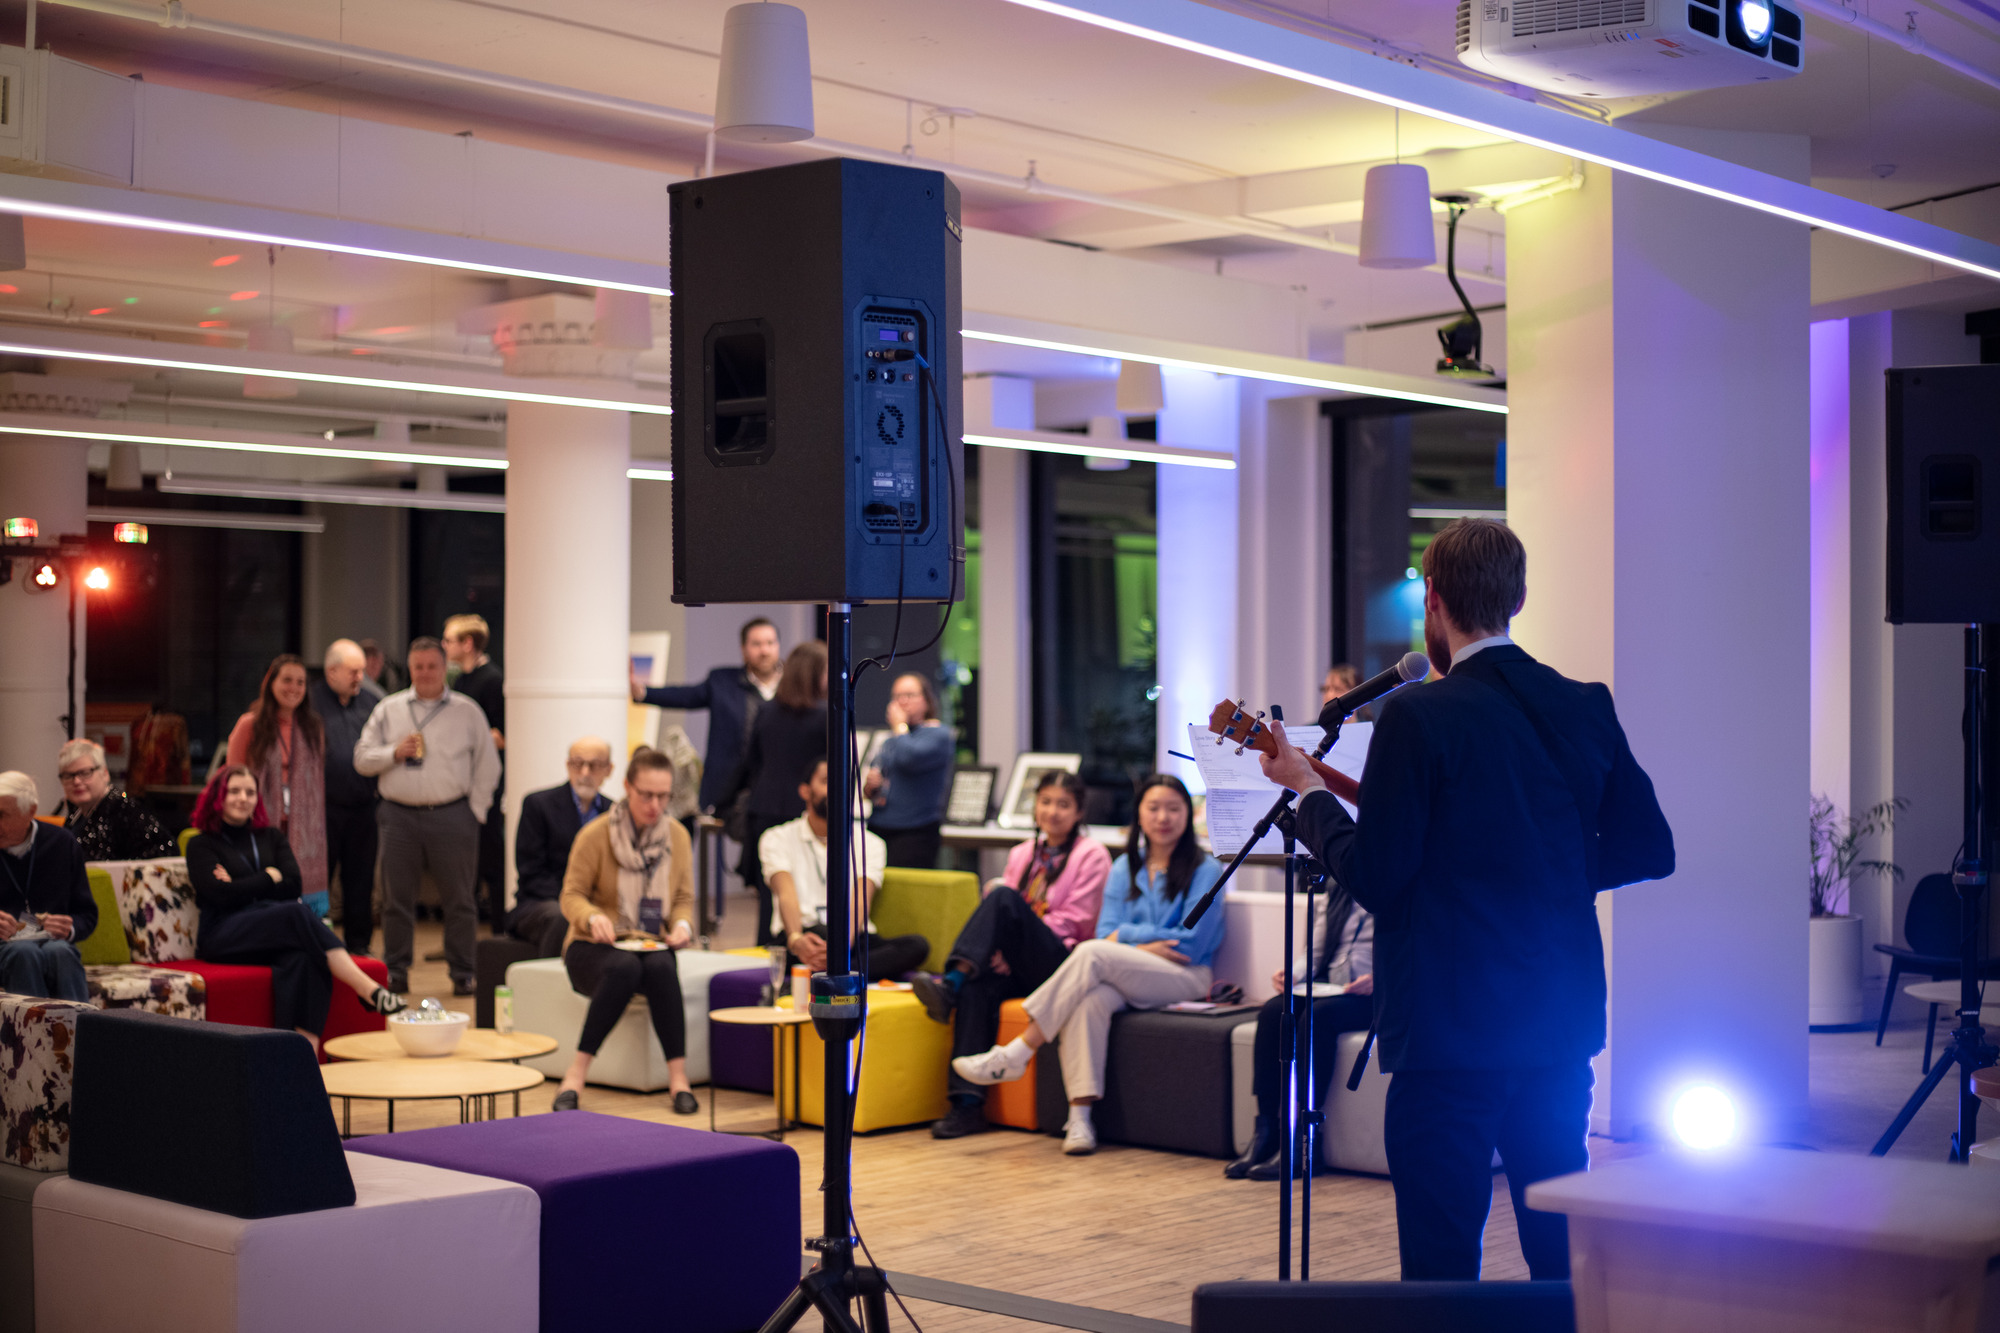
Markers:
point(434, 762)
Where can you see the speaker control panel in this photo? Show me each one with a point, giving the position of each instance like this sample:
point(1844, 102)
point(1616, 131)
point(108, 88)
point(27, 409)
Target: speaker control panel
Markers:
point(891, 433)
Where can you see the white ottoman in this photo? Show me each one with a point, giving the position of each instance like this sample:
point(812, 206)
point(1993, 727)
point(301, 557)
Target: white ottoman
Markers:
point(1352, 1137)
point(422, 1248)
point(631, 1056)
point(1242, 1070)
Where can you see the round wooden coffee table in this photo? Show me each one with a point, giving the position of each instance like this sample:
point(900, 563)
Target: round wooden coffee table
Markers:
point(476, 1044)
point(778, 1020)
point(473, 1084)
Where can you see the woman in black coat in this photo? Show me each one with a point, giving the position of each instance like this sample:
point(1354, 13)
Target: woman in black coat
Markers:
point(787, 734)
point(247, 884)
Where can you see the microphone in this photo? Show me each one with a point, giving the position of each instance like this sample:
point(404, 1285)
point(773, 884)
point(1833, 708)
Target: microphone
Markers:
point(1413, 667)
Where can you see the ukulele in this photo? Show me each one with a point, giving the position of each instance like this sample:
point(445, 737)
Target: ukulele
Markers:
point(1229, 722)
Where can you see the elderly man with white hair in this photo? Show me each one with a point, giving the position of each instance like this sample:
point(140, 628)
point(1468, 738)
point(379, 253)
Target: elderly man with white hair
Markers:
point(45, 902)
point(108, 824)
point(343, 700)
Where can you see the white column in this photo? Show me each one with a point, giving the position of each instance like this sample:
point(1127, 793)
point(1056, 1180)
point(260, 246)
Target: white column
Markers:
point(46, 480)
point(569, 537)
point(1832, 561)
point(1196, 519)
point(1285, 575)
point(1907, 679)
point(1658, 474)
point(1006, 645)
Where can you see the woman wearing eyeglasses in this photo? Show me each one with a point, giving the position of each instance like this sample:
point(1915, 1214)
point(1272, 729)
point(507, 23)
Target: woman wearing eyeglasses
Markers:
point(629, 896)
point(107, 824)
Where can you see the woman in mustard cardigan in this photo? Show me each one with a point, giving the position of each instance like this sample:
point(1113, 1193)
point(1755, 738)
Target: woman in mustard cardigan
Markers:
point(628, 895)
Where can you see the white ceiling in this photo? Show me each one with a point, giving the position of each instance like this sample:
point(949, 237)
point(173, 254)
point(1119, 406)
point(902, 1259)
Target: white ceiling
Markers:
point(983, 83)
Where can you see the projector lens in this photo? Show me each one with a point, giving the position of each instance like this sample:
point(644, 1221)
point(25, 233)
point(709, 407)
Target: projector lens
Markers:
point(1756, 20)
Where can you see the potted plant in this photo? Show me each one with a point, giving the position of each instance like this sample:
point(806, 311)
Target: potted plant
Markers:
point(1834, 966)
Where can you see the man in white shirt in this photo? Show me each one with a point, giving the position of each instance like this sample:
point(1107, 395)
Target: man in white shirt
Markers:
point(794, 860)
point(432, 755)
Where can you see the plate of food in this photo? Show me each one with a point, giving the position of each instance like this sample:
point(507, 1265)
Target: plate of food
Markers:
point(639, 944)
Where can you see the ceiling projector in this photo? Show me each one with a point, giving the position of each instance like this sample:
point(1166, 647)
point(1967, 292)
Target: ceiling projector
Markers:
point(1629, 48)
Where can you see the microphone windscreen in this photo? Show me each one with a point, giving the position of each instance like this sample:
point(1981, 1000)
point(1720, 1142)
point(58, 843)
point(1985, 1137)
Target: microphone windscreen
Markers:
point(1414, 666)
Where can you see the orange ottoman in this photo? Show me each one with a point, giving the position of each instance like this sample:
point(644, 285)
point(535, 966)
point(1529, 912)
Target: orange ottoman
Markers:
point(1013, 1104)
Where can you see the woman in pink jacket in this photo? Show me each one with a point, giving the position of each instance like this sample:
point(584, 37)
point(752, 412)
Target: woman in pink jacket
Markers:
point(1018, 936)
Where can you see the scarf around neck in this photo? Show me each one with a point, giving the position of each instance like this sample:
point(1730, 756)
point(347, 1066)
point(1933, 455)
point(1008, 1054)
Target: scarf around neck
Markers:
point(642, 867)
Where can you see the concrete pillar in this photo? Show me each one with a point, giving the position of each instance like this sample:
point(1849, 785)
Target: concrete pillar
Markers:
point(1658, 474)
point(355, 579)
point(569, 514)
point(1197, 524)
point(1285, 568)
point(46, 480)
point(1907, 680)
point(1832, 567)
point(1006, 652)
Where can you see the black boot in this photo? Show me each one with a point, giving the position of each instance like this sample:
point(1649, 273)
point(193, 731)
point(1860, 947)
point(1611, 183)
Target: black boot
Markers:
point(1273, 1167)
point(1263, 1144)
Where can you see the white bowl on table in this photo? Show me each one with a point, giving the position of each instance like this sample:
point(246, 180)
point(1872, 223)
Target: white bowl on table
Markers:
point(429, 1037)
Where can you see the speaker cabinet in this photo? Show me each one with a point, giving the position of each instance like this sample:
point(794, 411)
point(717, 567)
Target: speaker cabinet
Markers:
point(1944, 508)
point(816, 395)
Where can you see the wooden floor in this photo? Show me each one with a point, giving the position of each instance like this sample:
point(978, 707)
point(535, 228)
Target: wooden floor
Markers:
point(1129, 1229)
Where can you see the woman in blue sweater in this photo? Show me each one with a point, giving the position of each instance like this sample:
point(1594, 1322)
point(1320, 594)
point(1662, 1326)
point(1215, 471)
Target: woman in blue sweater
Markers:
point(911, 776)
point(1142, 958)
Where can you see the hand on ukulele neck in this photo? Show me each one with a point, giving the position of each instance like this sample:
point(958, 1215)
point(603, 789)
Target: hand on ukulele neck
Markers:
point(1231, 723)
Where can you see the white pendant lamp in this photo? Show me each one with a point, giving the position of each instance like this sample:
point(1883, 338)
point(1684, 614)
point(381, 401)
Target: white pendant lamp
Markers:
point(1142, 390)
point(1396, 230)
point(763, 93)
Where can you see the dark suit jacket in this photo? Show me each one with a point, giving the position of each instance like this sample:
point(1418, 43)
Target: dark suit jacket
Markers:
point(731, 699)
point(51, 879)
point(542, 840)
point(1472, 854)
point(782, 742)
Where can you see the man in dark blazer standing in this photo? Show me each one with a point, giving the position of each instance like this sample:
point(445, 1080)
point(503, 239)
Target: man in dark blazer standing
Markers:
point(1496, 803)
point(731, 695)
point(550, 821)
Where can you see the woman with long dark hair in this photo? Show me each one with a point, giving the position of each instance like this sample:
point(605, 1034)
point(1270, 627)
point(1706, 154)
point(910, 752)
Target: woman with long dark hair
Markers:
point(1142, 958)
point(1022, 931)
point(283, 742)
point(787, 734)
point(246, 883)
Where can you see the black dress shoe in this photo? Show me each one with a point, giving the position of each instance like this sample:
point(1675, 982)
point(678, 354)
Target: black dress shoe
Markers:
point(685, 1104)
point(1263, 1144)
point(399, 982)
point(565, 1101)
point(464, 987)
point(1272, 1168)
point(962, 1119)
point(937, 997)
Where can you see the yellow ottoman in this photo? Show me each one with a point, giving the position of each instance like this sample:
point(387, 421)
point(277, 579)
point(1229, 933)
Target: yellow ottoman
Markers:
point(904, 1061)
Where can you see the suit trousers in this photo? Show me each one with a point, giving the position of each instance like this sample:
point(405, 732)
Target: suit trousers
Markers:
point(1332, 1015)
point(444, 840)
point(1003, 923)
point(352, 840)
point(1097, 980)
point(1441, 1128)
point(540, 922)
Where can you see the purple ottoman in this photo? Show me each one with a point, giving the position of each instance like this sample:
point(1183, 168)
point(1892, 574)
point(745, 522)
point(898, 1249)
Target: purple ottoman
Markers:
point(738, 1056)
point(642, 1224)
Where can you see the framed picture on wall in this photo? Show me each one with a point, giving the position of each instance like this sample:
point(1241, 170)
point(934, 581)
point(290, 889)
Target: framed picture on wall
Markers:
point(971, 798)
point(1017, 807)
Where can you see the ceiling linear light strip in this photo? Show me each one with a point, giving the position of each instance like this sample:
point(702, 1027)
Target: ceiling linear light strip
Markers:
point(1241, 224)
point(145, 210)
point(86, 347)
point(1319, 375)
point(306, 493)
point(1200, 30)
point(1055, 442)
point(207, 518)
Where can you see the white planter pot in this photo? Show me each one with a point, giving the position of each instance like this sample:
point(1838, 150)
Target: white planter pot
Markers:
point(1833, 994)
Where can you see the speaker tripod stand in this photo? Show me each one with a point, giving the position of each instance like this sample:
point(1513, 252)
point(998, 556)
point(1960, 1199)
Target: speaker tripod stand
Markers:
point(1969, 1050)
point(839, 1008)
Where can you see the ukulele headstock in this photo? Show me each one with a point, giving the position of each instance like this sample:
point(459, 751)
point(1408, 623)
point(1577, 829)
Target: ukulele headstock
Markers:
point(1230, 722)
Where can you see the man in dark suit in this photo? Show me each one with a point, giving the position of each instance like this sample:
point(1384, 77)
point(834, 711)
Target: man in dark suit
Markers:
point(1496, 803)
point(731, 696)
point(550, 821)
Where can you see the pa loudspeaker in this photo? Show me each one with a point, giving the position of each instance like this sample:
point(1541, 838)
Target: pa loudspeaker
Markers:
point(1944, 495)
point(816, 394)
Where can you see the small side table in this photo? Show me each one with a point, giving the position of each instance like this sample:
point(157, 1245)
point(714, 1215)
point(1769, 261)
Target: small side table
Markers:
point(778, 1020)
point(1944, 995)
point(476, 1044)
point(473, 1084)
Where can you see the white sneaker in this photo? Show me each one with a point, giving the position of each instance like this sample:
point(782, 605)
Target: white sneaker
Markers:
point(994, 1066)
point(1080, 1138)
